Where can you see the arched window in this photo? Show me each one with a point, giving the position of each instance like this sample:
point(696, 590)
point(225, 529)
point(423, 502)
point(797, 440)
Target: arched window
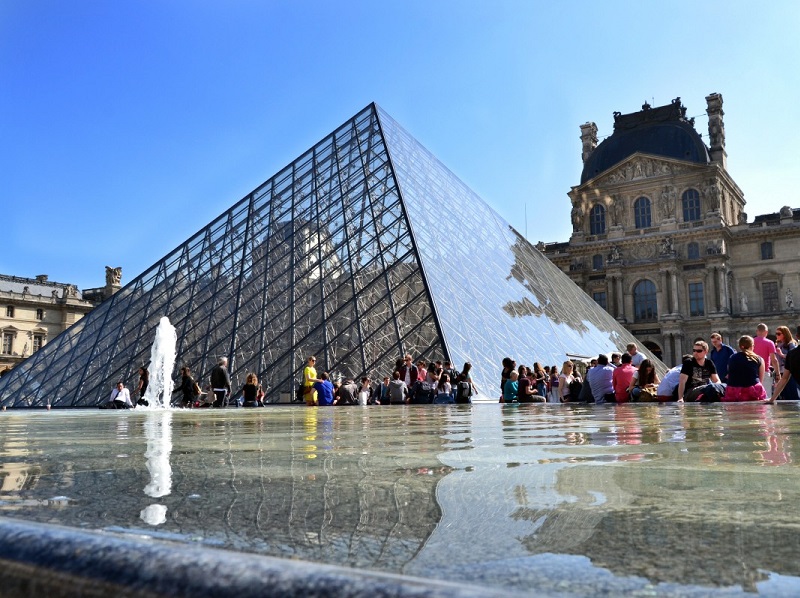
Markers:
point(641, 212)
point(645, 308)
point(597, 262)
point(597, 220)
point(693, 251)
point(691, 205)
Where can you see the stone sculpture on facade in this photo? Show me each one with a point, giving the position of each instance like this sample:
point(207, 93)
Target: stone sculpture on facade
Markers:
point(113, 275)
point(617, 209)
point(743, 303)
point(577, 218)
point(667, 246)
point(615, 255)
point(789, 299)
point(668, 197)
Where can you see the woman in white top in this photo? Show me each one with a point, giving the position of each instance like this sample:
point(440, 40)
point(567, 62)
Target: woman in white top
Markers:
point(564, 380)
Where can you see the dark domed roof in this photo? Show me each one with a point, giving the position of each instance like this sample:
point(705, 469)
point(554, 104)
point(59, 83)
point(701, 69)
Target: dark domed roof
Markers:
point(663, 131)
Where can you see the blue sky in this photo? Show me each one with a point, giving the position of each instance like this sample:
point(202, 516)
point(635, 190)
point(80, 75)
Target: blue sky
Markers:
point(127, 126)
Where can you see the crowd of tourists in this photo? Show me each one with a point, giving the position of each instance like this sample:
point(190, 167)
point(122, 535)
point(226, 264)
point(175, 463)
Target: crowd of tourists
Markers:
point(708, 374)
point(759, 369)
point(435, 382)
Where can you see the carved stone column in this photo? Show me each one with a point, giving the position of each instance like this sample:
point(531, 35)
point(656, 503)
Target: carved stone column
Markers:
point(620, 300)
point(722, 280)
point(612, 296)
point(673, 276)
point(665, 293)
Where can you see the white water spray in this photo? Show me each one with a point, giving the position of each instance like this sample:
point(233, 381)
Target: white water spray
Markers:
point(162, 362)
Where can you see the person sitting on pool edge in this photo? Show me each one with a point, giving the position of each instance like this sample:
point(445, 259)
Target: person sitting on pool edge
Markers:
point(324, 390)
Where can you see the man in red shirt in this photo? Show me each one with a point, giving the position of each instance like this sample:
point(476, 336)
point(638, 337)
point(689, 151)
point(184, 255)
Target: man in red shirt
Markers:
point(621, 378)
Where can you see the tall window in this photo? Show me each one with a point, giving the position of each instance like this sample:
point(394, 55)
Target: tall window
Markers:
point(691, 205)
point(600, 298)
point(769, 296)
point(597, 220)
point(641, 212)
point(696, 302)
point(8, 342)
point(766, 250)
point(10, 311)
point(38, 341)
point(40, 314)
point(693, 251)
point(597, 262)
point(644, 301)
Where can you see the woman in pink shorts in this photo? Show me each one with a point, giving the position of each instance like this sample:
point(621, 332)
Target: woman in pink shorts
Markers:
point(745, 373)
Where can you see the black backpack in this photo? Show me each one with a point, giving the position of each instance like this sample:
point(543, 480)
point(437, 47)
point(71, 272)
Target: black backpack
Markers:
point(575, 388)
point(463, 391)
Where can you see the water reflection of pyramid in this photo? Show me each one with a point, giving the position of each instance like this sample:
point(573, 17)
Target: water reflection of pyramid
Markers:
point(364, 248)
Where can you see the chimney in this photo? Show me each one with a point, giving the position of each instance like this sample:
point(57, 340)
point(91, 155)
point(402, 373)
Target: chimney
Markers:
point(588, 139)
point(41, 278)
point(716, 130)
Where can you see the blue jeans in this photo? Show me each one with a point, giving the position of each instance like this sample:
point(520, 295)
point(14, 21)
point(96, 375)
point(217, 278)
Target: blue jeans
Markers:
point(443, 399)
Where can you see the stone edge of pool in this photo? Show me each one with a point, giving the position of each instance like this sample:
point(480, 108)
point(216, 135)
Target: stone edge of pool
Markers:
point(39, 559)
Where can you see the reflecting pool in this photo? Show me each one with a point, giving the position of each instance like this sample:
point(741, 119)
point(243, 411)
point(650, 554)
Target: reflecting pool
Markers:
point(573, 500)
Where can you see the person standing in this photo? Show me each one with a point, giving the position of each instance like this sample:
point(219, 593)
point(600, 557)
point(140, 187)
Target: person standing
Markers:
point(765, 348)
point(555, 380)
point(187, 387)
point(309, 378)
point(785, 344)
point(408, 372)
point(144, 381)
point(696, 373)
point(720, 354)
point(220, 382)
point(636, 357)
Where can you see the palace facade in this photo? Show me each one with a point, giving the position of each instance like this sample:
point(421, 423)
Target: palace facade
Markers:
point(661, 240)
point(34, 311)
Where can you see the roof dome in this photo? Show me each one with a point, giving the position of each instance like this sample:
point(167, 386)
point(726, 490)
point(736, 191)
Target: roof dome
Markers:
point(662, 131)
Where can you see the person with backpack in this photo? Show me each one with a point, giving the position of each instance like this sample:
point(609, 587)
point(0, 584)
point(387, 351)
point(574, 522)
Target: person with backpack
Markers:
point(188, 387)
point(453, 374)
point(465, 387)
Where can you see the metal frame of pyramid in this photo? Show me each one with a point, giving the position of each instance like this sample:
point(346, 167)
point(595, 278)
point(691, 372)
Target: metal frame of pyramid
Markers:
point(364, 248)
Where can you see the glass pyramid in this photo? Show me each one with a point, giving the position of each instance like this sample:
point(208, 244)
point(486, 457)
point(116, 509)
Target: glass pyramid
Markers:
point(364, 248)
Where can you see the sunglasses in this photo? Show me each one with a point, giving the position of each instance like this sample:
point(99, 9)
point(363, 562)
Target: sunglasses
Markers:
point(698, 350)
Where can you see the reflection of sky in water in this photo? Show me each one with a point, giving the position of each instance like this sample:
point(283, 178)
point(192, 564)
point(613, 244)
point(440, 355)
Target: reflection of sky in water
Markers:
point(574, 500)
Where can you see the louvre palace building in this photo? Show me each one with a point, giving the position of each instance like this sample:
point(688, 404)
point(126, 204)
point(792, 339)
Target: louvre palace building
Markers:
point(661, 239)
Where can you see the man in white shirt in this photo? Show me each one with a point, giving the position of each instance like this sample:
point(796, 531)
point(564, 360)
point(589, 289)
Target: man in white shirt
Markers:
point(120, 397)
point(636, 357)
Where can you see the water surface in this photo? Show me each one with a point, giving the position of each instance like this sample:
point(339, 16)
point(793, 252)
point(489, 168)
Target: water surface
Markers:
point(573, 500)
